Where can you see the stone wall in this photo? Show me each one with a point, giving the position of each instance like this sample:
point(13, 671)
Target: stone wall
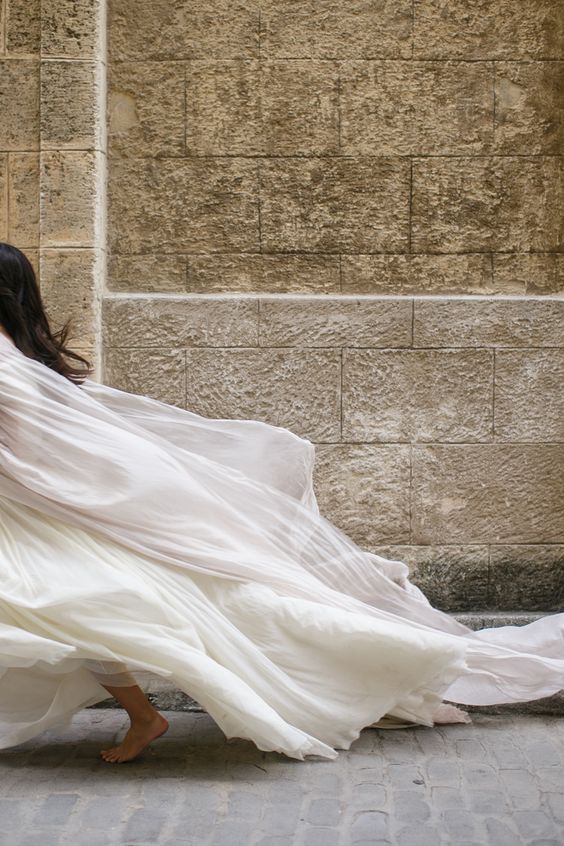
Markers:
point(344, 218)
point(52, 154)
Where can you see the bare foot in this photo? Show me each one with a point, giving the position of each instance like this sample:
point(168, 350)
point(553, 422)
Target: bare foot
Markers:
point(140, 734)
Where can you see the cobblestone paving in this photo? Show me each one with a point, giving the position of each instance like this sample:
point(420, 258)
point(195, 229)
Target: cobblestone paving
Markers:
point(498, 781)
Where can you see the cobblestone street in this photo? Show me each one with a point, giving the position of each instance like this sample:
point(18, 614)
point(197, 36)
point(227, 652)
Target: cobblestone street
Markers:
point(497, 781)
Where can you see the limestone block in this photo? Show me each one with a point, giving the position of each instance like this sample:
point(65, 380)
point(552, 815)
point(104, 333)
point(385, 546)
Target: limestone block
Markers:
point(453, 578)
point(529, 400)
point(416, 274)
point(529, 577)
point(488, 322)
point(421, 108)
point(364, 490)
point(146, 109)
point(33, 257)
point(529, 273)
point(335, 205)
point(529, 107)
point(334, 322)
point(497, 203)
point(182, 29)
point(19, 104)
point(68, 285)
point(71, 28)
point(179, 321)
point(151, 272)
point(68, 198)
point(4, 196)
point(297, 389)
point(69, 117)
point(328, 29)
point(160, 374)
point(183, 205)
point(488, 493)
point(488, 29)
point(22, 26)
point(417, 395)
point(23, 203)
point(269, 108)
point(279, 273)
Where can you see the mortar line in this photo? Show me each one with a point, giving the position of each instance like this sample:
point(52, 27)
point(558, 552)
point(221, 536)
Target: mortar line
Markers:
point(410, 218)
point(185, 107)
point(493, 108)
point(493, 395)
point(259, 215)
point(341, 395)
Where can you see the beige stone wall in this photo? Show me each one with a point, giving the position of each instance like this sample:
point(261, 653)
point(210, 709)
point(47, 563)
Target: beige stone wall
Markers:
point(324, 147)
point(344, 218)
point(52, 154)
point(19, 128)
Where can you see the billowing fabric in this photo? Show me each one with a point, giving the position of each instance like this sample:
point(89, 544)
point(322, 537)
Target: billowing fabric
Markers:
point(138, 539)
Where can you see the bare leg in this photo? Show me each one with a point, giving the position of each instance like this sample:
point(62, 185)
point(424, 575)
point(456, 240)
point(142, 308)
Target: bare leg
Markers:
point(146, 724)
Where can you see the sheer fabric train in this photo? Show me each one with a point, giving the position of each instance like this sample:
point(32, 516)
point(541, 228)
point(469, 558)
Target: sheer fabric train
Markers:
point(138, 539)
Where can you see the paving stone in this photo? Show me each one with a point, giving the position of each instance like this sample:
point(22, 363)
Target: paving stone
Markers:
point(56, 791)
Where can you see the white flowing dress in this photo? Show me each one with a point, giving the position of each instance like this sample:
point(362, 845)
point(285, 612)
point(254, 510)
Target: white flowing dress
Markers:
point(140, 540)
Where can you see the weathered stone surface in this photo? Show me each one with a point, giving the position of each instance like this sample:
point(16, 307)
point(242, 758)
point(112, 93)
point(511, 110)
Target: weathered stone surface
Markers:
point(268, 108)
point(334, 322)
point(23, 202)
point(329, 29)
point(496, 203)
point(488, 493)
point(417, 395)
point(183, 29)
point(421, 108)
point(492, 323)
point(335, 205)
point(416, 274)
point(179, 321)
point(527, 577)
point(68, 282)
point(488, 29)
point(146, 109)
point(22, 26)
point(298, 389)
point(151, 272)
point(3, 196)
point(453, 578)
point(159, 374)
point(19, 104)
point(364, 490)
point(71, 28)
point(529, 400)
point(529, 107)
point(69, 108)
point(279, 274)
point(175, 205)
point(68, 198)
point(529, 273)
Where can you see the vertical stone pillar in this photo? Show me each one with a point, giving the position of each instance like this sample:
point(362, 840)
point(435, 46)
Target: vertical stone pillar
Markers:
point(72, 168)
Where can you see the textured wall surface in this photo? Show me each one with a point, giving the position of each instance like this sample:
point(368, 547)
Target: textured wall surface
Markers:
point(52, 154)
point(19, 127)
point(374, 147)
point(344, 218)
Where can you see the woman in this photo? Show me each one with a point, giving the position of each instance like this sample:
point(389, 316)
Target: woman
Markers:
point(138, 539)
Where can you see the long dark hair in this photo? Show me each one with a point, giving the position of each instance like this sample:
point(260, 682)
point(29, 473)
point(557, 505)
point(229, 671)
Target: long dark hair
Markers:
point(23, 316)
